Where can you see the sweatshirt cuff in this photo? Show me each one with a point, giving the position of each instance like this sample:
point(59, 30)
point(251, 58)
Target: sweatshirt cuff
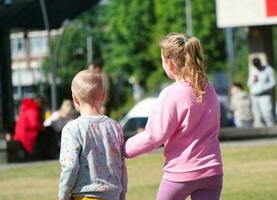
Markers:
point(124, 151)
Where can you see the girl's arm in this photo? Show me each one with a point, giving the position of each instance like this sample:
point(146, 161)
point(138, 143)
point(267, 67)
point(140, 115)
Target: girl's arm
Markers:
point(161, 124)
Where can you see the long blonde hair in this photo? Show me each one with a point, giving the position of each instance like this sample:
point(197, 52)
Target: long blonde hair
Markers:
point(187, 53)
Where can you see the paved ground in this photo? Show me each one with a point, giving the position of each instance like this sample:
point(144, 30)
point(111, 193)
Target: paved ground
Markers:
point(252, 142)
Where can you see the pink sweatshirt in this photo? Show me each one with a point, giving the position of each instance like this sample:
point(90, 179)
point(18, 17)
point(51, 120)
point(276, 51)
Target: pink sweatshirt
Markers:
point(189, 131)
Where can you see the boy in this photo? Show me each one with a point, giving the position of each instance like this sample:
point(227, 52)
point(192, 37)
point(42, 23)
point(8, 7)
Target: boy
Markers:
point(91, 160)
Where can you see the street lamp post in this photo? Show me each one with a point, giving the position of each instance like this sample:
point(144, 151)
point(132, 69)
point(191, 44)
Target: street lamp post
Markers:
point(230, 52)
point(89, 46)
point(188, 17)
point(51, 57)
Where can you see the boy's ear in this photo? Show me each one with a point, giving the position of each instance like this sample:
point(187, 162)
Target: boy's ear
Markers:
point(103, 96)
point(76, 102)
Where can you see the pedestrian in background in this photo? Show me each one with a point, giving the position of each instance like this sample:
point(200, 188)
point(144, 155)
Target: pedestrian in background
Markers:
point(111, 95)
point(54, 125)
point(186, 119)
point(240, 106)
point(29, 124)
point(261, 83)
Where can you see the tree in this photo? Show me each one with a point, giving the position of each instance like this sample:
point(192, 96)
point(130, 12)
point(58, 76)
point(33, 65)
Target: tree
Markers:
point(127, 36)
point(212, 38)
point(169, 17)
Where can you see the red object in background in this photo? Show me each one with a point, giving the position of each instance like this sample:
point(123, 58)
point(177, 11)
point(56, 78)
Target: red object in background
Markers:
point(28, 125)
point(271, 8)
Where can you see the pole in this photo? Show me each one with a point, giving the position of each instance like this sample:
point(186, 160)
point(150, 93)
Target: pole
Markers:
point(6, 88)
point(51, 57)
point(188, 17)
point(65, 25)
point(89, 46)
point(230, 52)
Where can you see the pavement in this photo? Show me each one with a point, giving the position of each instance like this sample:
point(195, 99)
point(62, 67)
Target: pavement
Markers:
point(233, 133)
point(250, 142)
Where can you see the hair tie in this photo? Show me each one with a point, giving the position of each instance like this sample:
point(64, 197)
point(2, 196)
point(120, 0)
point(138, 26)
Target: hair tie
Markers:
point(185, 39)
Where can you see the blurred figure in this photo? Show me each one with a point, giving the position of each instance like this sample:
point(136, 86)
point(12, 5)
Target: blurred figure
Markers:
point(137, 89)
point(111, 96)
point(261, 83)
point(54, 125)
point(240, 106)
point(64, 112)
point(29, 124)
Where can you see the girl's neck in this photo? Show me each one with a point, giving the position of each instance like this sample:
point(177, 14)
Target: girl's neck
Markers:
point(181, 79)
point(89, 110)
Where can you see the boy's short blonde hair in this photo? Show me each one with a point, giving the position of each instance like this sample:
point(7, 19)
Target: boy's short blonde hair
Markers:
point(88, 86)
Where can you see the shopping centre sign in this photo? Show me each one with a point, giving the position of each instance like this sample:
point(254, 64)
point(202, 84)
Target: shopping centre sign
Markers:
point(235, 13)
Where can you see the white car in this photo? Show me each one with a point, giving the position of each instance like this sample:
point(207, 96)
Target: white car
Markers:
point(135, 120)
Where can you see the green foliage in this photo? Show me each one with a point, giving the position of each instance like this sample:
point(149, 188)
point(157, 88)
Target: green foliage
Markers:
point(126, 37)
point(274, 29)
point(169, 17)
point(240, 71)
point(212, 38)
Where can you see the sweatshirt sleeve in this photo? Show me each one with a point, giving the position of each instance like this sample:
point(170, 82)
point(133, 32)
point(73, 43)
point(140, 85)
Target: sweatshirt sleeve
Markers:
point(124, 175)
point(69, 160)
point(161, 124)
point(124, 180)
point(262, 86)
point(251, 78)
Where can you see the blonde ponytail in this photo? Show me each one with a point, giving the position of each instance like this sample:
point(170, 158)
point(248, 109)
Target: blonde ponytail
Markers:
point(187, 53)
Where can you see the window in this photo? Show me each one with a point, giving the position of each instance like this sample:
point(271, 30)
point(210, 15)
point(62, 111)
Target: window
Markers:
point(18, 47)
point(38, 46)
point(133, 125)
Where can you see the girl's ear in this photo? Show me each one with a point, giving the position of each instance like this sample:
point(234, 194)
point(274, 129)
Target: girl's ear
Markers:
point(172, 65)
point(76, 102)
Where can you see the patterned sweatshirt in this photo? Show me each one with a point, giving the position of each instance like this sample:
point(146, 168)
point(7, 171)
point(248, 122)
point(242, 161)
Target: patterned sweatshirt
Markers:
point(91, 160)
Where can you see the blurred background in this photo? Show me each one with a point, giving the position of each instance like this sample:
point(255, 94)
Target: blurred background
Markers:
point(44, 43)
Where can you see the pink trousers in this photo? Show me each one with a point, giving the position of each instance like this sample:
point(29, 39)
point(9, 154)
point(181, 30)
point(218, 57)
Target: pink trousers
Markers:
point(202, 189)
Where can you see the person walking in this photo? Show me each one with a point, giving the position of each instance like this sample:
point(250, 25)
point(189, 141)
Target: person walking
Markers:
point(93, 167)
point(261, 83)
point(186, 119)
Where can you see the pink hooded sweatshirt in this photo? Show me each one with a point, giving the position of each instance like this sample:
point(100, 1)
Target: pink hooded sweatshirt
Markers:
point(189, 131)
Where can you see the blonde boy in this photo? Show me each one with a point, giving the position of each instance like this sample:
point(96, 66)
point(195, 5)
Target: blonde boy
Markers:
point(91, 160)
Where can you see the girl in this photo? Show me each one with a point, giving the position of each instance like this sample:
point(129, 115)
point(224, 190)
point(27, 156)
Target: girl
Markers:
point(186, 120)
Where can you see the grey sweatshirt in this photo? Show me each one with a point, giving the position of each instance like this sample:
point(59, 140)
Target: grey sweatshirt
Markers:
point(91, 161)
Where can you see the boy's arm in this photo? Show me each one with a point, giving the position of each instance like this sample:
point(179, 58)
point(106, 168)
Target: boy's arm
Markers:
point(124, 176)
point(124, 181)
point(69, 160)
